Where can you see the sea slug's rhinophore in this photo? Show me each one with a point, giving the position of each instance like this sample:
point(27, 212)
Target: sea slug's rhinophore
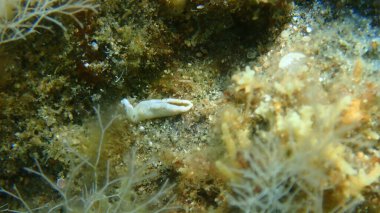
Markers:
point(155, 108)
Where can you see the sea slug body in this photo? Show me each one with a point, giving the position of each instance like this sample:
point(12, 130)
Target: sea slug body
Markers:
point(155, 108)
point(292, 60)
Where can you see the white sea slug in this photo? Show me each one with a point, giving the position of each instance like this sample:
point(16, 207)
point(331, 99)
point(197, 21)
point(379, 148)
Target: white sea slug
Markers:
point(155, 108)
point(292, 60)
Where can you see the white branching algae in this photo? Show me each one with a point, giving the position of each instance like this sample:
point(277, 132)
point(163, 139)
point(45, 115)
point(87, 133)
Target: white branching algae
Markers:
point(155, 108)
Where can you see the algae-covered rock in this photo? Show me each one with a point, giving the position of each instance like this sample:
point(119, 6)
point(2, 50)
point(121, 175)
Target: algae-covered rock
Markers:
point(302, 62)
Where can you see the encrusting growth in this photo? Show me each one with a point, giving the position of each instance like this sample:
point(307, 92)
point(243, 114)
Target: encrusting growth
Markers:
point(297, 144)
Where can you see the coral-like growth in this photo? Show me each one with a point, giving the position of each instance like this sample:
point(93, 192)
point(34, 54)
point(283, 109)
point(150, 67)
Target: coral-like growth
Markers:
point(300, 144)
point(19, 18)
point(271, 181)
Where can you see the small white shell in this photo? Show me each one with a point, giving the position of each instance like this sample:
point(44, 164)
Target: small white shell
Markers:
point(155, 108)
point(292, 60)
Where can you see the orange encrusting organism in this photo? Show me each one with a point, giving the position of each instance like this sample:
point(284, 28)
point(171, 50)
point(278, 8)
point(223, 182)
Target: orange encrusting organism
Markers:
point(358, 71)
point(353, 113)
